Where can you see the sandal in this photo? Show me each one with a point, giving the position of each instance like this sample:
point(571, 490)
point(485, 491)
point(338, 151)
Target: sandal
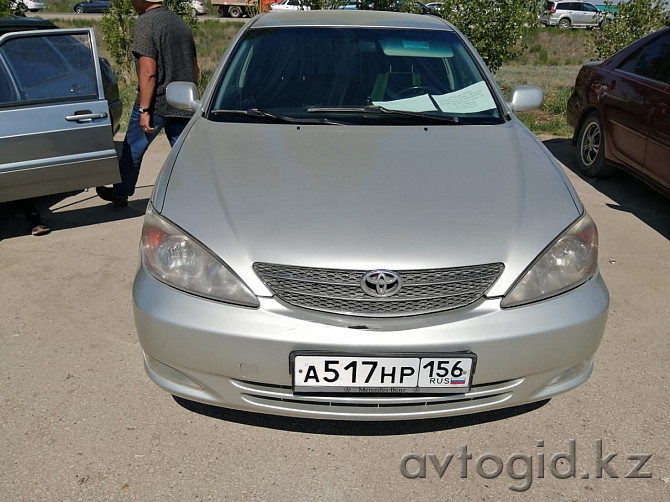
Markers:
point(37, 227)
point(40, 229)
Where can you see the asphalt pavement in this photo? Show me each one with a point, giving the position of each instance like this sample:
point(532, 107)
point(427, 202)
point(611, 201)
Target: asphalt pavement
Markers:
point(80, 420)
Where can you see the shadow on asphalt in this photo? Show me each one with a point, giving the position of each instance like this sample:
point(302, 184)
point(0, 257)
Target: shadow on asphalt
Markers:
point(65, 216)
point(351, 428)
point(629, 194)
point(58, 214)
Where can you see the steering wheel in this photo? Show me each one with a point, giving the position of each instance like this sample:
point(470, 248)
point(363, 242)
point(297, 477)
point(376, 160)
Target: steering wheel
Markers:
point(417, 90)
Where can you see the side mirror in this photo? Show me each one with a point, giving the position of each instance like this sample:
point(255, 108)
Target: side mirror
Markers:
point(526, 98)
point(183, 95)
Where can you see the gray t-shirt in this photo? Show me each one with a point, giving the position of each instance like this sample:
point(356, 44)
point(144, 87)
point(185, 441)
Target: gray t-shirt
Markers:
point(164, 36)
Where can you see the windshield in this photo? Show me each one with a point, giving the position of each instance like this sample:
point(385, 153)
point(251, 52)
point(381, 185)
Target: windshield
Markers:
point(349, 73)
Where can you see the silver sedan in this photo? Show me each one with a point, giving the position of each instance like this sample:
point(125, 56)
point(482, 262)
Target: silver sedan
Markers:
point(355, 225)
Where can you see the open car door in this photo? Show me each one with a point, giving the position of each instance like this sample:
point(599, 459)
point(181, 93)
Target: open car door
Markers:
point(55, 126)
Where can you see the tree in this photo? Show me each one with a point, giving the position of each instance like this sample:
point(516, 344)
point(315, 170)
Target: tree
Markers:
point(7, 9)
point(633, 19)
point(183, 8)
point(117, 28)
point(494, 27)
point(410, 6)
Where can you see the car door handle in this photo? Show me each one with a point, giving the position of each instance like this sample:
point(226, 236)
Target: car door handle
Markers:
point(85, 116)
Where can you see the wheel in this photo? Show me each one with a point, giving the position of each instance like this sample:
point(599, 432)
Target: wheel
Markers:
point(590, 154)
point(79, 9)
point(234, 11)
point(194, 13)
point(564, 23)
point(602, 24)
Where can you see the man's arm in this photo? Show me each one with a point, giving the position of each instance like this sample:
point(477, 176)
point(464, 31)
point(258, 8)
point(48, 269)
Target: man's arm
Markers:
point(147, 84)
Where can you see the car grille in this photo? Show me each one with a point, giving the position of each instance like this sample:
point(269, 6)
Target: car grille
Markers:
point(340, 291)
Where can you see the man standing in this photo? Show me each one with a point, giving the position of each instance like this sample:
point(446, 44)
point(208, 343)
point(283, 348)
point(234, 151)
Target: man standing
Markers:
point(164, 52)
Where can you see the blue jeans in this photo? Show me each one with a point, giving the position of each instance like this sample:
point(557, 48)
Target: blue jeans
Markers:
point(136, 144)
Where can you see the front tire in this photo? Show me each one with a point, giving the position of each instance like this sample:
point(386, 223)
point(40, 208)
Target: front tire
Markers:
point(234, 12)
point(79, 9)
point(590, 154)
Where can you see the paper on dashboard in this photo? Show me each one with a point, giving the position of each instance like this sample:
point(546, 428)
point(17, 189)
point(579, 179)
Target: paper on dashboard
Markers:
point(472, 99)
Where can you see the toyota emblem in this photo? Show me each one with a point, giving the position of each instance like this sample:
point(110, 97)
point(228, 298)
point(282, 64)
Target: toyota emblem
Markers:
point(381, 283)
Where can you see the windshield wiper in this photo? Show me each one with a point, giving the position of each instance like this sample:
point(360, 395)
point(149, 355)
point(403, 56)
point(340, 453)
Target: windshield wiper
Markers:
point(257, 112)
point(379, 110)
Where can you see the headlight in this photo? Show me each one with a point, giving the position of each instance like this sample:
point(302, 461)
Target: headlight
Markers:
point(569, 261)
point(177, 259)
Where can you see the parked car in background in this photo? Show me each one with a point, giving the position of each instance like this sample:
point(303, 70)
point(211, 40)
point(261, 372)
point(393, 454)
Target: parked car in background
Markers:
point(434, 6)
point(290, 5)
point(373, 236)
point(573, 15)
point(94, 6)
point(620, 111)
point(25, 5)
point(398, 5)
point(56, 124)
point(349, 5)
point(198, 8)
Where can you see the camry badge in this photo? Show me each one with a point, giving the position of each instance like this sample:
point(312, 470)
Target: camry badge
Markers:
point(381, 283)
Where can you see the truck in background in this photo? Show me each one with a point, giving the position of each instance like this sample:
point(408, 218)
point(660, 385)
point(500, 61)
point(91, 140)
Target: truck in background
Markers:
point(240, 8)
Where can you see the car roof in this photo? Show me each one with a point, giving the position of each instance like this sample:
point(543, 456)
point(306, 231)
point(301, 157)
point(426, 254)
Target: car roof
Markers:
point(9, 24)
point(333, 18)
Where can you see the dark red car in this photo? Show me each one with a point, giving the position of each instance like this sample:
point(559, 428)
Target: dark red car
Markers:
point(620, 111)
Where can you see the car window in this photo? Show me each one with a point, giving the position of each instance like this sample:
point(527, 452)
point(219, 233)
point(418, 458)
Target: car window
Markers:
point(651, 61)
point(589, 8)
point(54, 67)
point(293, 70)
point(76, 51)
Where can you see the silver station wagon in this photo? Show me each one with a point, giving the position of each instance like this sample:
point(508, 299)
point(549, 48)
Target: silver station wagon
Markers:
point(354, 225)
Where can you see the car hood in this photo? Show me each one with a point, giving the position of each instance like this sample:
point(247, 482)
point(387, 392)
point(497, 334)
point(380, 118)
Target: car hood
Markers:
point(367, 197)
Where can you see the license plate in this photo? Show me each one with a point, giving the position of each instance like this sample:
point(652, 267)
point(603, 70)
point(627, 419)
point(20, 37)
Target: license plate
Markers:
point(403, 373)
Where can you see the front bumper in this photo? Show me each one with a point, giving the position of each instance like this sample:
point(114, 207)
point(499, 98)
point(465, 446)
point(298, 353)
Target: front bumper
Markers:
point(238, 357)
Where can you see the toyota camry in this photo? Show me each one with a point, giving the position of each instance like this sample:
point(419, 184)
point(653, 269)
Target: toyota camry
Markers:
point(354, 225)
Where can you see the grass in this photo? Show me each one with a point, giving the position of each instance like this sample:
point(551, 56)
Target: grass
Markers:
point(551, 61)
